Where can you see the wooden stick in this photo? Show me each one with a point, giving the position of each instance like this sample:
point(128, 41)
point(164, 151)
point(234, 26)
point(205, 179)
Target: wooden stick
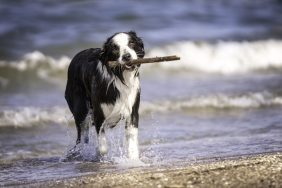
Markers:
point(147, 60)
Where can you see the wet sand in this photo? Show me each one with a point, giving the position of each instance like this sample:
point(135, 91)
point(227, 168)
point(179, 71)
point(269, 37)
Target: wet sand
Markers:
point(263, 170)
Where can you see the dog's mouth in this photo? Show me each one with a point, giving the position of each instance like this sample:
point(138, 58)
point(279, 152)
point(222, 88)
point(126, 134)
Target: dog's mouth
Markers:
point(125, 66)
point(129, 67)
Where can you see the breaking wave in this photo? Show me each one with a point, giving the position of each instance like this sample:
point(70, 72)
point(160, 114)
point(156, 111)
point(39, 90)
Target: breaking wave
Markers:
point(251, 100)
point(34, 64)
point(37, 60)
point(222, 57)
point(29, 116)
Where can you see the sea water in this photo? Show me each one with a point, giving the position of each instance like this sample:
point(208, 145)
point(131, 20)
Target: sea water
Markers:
point(222, 99)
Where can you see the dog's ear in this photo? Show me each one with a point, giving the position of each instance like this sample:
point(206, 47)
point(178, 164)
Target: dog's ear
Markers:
point(141, 51)
point(104, 50)
point(132, 33)
point(106, 43)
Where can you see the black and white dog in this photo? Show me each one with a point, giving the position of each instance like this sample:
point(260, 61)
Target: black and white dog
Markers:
point(106, 94)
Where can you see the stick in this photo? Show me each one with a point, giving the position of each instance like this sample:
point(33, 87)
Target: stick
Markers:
point(147, 60)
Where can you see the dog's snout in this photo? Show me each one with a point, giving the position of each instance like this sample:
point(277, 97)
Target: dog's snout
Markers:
point(126, 57)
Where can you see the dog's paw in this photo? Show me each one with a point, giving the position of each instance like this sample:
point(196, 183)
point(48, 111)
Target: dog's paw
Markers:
point(103, 147)
point(133, 154)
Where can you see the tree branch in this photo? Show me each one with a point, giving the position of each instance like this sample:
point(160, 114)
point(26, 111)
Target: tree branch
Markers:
point(147, 60)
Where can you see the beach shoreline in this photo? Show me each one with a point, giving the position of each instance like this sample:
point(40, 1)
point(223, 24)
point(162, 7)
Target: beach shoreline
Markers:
point(262, 170)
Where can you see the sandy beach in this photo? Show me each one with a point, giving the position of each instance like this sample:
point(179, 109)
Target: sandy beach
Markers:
point(263, 170)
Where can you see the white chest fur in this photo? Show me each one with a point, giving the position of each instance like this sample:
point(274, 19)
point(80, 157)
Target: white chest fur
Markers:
point(122, 108)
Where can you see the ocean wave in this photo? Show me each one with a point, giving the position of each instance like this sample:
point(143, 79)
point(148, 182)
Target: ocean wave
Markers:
point(222, 57)
point(220, 101)
point(35, 63)
point(37, 59)
point(29, 116)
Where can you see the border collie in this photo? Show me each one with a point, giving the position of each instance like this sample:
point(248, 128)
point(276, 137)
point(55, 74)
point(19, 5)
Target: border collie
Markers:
point(107, 94)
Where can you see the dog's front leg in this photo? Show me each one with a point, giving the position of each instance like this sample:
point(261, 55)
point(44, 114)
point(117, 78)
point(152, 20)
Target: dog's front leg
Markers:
point(131, 130)
point(132, 140)
point(102, 141)
point(110, 122)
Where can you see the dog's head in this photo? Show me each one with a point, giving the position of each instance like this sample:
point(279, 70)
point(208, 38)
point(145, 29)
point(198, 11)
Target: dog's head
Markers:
point(123, 47)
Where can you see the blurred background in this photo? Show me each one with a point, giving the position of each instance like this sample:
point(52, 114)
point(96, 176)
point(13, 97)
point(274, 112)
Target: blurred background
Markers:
point(62, 28)
point(224, 98)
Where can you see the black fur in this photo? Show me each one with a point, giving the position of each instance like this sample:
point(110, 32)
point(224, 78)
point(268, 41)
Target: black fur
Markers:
point(86, 88)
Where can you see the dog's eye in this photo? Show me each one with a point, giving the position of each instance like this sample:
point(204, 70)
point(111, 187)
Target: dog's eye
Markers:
point(131, 44)
point(115, 49)
point(115, 46)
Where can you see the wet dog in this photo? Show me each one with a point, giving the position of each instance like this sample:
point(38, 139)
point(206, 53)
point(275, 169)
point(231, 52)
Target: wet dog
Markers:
point(106, 94)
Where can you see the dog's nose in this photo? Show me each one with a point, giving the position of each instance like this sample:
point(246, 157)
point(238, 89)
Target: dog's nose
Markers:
point(126, 57)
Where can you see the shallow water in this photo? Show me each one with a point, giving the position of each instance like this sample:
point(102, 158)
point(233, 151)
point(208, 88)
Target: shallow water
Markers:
point(224, 98)
point(233, 117)
point(165, 140)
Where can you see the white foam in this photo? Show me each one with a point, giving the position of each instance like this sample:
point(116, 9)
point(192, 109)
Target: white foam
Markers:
point(29, 116)
point(45, 67)
point(35, 59)
point(220, 101)
point(222, 57)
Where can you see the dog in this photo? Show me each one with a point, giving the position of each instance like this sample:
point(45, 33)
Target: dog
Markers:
point(106, 94)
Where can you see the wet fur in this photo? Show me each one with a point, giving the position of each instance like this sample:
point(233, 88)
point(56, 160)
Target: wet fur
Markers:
point(106, 94)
